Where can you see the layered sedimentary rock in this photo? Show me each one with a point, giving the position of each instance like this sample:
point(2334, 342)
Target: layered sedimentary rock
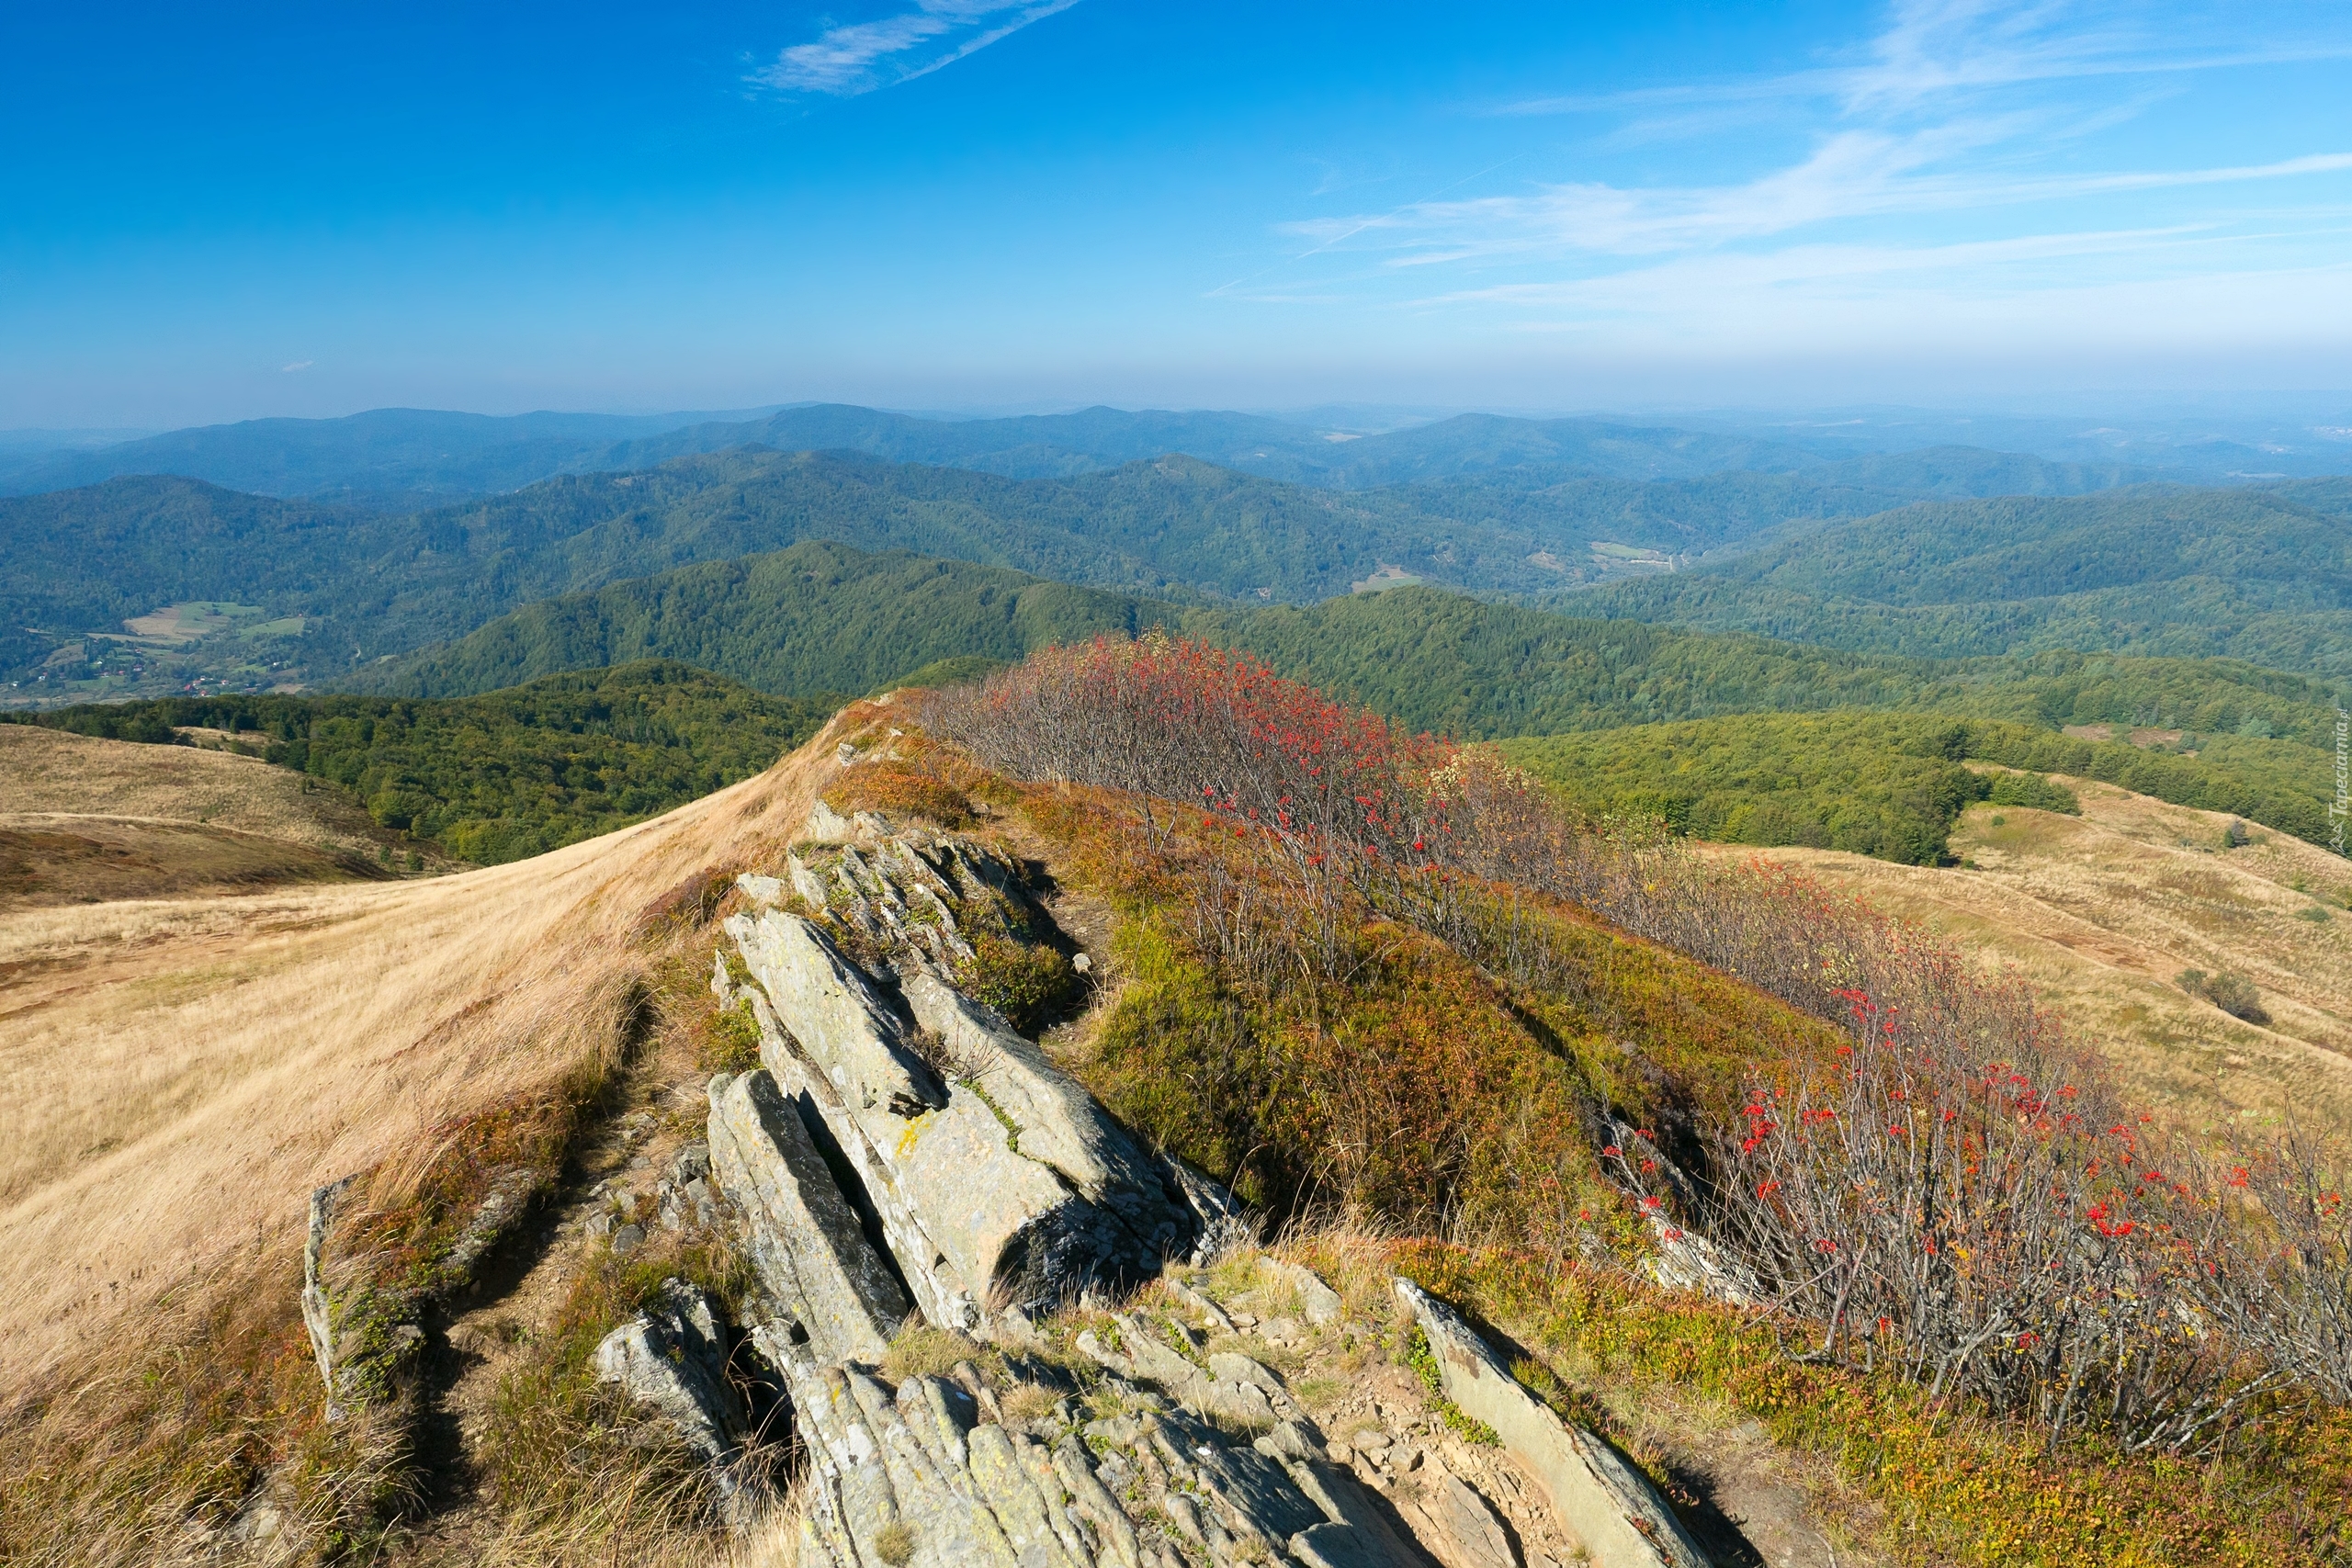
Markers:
point(825, 1281)
point(995, 1180)
point(915, 1476)
point(1610, 1506)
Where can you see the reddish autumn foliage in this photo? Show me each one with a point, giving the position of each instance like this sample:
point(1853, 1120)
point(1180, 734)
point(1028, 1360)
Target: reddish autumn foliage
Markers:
point(1954, 1191)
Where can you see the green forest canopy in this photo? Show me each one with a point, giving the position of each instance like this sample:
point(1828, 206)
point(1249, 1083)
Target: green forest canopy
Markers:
point(2264, 576)
point(1884, 784)
point(511, 773)
point(369, 584)
point(823, 617)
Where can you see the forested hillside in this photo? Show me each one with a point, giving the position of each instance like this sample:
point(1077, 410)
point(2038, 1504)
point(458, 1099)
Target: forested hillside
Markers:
point(366, 584)
point(2249, 574)
point(827, 617)
point(1891, 785)
point(511, 775)
point(817, 617)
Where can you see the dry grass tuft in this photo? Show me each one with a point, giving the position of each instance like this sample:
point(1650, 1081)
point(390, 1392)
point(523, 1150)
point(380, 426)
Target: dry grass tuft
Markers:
point(919, 1350)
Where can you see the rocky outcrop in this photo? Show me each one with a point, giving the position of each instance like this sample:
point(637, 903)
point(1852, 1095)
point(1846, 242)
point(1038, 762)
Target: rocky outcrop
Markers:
point(1318, 1302)
point(672, 1358)
point(835, 1294)
point(1615, 1512)
point(995, 1180)
point(1225, 1384)
point(916, 1475)
point(364, 1310)
point(838, 1020)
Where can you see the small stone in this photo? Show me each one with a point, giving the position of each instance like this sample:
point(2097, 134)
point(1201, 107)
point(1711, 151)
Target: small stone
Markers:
point(1281, 1331)
point(599, 1225)
point(1317, 1299)
point(1290, 1439)
point(627, 1240)
point(1082, 963)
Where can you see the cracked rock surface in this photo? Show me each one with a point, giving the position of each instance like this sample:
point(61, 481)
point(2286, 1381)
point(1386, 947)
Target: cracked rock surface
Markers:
point(994, 1179)
point(1616, 1515)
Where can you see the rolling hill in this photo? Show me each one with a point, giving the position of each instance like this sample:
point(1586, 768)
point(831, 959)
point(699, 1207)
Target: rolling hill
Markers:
point(356, 585)
point(2249, 574)
point(815, 618)
point(321, 588)
point(1892, 785)
point(2102, 911)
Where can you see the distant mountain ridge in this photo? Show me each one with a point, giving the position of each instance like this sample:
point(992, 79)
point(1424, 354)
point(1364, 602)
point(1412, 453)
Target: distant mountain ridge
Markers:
point(401, 458)
point(360, 584)
point(407, 454)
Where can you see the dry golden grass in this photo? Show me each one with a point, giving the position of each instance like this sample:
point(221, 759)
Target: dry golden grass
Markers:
point(52, 858)
point(2100, 913)
point(178, 1075)
point(48, 771)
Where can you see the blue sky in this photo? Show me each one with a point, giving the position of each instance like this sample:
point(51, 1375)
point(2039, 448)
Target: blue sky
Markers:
point(215, 213)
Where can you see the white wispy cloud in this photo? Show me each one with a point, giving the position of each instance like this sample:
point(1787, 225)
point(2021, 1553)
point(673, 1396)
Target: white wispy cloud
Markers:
point(859, 57)
point(298, 364)
point(1940, 170)
point(1933, 48)
point(1850, 174)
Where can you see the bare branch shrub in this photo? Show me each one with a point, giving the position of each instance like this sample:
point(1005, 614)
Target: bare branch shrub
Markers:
point(1959, 1196)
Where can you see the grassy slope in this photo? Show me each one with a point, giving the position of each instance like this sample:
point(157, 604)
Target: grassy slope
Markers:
point(2101, 911)
point(47, 772)
point(350, 1026)
point(86, 859)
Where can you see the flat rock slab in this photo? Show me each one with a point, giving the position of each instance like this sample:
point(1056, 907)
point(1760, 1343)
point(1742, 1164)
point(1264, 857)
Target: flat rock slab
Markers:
point(835, 1014)
point(804, 1237)
point(1610, 1506)
point(1006, 1188)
